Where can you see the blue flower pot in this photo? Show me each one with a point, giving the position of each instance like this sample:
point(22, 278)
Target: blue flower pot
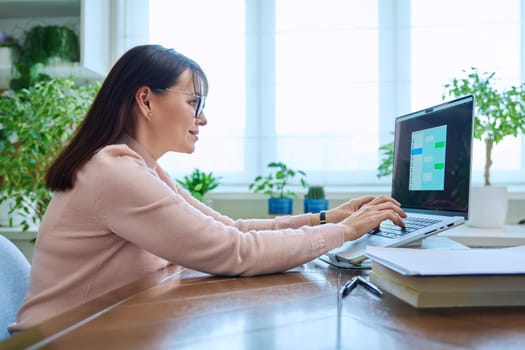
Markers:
point(315, 205)
point(280, 206)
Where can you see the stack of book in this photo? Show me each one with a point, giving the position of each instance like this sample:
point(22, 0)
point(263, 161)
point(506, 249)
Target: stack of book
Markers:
point(431, 278)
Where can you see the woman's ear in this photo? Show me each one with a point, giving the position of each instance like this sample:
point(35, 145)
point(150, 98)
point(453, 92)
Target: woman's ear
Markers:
point(143, 100)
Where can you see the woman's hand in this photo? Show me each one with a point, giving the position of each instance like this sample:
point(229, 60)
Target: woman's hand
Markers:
point(346, 209)
point(369, 213)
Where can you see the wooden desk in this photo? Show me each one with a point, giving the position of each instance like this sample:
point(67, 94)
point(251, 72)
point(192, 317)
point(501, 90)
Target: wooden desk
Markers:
point(295, 310)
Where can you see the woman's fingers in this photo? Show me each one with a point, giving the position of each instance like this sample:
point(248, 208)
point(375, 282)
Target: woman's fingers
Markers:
point(383, 199)
point(371, 200)
point(349, 208)
point(360, 201)
point(388, 206)
point(370, 217)
point(393, 216)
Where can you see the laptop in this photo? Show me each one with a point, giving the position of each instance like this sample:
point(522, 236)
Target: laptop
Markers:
point(430, 178)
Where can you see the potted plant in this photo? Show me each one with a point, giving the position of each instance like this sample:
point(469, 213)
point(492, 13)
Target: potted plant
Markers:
point(498, 114)
point(314, 199)
point(40, 45)
point(198, 183)
point(387, 159)
point(7, 45)
point(277, 185)
point(34, 124)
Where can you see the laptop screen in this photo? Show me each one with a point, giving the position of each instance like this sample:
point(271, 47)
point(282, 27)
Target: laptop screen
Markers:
point(432, 158)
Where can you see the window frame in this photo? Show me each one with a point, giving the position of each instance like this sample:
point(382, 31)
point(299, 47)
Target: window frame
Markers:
point(394, 97)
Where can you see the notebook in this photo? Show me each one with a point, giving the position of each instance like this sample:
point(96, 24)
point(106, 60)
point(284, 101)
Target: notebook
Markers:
point(431, 178)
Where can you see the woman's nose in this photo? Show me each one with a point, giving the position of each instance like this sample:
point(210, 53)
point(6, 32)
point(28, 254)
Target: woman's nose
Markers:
point(201, 119)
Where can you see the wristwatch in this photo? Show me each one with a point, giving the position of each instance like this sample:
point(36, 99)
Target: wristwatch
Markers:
point(322, 217)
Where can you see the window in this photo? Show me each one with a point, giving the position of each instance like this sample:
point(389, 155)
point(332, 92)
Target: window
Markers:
point(317, 84)
point(217, 43)
point(326, 84)
point(445, 42)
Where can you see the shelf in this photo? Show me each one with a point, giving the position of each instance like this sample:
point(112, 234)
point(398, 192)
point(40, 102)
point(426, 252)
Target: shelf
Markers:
point(75, 70)
point(62, 70)
point(89, 17)
point(10, 9)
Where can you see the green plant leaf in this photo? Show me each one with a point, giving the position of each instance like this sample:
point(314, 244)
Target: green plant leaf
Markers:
point(276, 183)
point(198, 183)
point(498, 113)
point(41, 116)
point(387, 159)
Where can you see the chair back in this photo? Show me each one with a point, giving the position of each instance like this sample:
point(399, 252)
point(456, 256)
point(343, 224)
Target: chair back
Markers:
point(14, 282)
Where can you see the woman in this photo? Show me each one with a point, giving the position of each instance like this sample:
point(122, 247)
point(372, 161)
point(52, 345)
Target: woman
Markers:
point(117, 216)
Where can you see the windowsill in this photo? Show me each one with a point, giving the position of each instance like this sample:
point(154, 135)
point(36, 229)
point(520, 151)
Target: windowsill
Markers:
point(17, 233)
point(223, 192)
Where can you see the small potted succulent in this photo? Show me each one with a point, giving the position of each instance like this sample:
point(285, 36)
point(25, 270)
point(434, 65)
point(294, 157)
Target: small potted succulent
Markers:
point(277, 186)
point(314, 200)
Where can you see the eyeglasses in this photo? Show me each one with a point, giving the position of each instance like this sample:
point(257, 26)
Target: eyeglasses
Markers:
point(200, 102)
point(359, 280)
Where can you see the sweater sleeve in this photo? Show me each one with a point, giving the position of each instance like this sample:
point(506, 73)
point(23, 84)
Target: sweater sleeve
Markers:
point(133, 202)
point(243, 225)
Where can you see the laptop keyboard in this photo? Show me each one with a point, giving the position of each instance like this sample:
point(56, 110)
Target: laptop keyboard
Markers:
point(390, 230)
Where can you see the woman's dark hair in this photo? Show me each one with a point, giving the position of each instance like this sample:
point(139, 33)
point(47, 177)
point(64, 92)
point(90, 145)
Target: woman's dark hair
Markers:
point(111, 111)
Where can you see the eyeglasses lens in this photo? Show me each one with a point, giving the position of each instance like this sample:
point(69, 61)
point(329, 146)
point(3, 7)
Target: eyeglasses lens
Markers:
point(200, 106)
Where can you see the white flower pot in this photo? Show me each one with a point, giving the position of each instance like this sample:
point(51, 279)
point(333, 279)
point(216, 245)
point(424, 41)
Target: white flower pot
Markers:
point(488, 206)
point(5, 57)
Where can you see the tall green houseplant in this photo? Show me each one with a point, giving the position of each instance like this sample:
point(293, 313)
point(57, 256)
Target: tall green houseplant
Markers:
point(34, 125)
point(498, 113)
